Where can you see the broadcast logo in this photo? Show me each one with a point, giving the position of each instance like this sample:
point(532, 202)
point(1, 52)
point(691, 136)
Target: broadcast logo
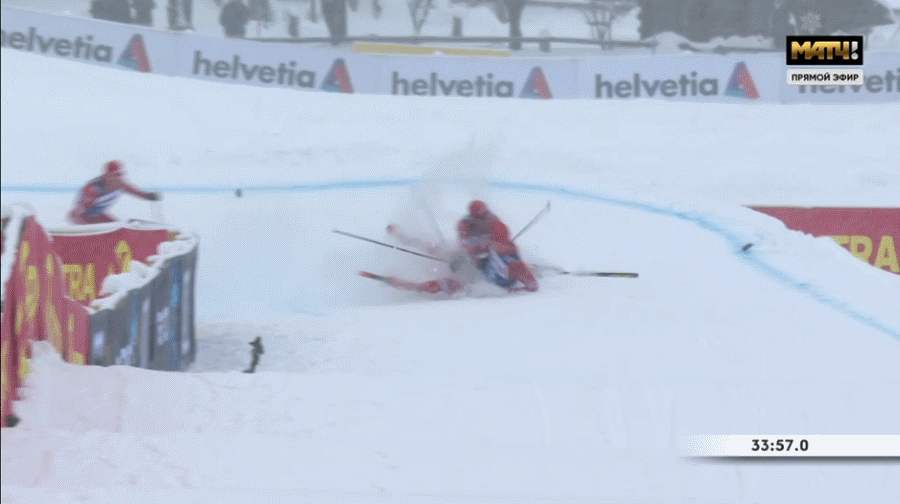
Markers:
point(824, 51)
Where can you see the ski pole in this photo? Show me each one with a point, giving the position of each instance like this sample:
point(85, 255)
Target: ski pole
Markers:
point(615, 274)
point(388, 245)
point(582, 273)
point(533, 221)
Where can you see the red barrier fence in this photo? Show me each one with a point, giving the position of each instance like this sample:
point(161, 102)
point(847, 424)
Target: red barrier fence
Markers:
point(36, 307)
point(89, 258)
point(52, 283)
point(871, 234)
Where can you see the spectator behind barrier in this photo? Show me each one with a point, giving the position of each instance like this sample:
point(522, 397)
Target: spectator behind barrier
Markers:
point(143, 12)
point(118, 11)
point(234, 19)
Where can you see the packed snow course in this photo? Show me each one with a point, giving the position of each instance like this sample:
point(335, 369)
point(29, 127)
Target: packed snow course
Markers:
point(580, 392)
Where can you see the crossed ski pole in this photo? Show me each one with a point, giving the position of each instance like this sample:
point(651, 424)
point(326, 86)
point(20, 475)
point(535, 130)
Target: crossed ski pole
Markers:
point(536, 218)
point(558, 271)
point(370, 240)
point(401, 249)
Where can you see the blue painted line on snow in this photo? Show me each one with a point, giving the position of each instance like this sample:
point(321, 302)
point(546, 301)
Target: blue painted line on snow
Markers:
point(734, 240)
point(766, 269)
point(322, 186)
point(39, 189)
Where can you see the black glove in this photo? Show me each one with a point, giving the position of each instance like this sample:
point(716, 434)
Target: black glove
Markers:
point(154, 196)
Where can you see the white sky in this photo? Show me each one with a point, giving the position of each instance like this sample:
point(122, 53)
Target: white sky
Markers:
point(578, 393)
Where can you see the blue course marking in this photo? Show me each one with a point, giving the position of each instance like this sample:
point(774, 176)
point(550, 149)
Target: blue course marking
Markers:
point(323, 186)
point(766, 269)
point(39, 189)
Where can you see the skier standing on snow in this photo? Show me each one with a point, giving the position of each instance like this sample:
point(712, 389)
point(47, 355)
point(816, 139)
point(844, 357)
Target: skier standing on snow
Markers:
point(101, 192)
point(485, 240)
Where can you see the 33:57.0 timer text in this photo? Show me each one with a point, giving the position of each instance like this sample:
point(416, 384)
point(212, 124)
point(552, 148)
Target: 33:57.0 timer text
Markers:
point(780, 445)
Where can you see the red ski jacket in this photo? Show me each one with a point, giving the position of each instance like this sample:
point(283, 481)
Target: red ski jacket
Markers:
point(96, 197)
point(479, 236)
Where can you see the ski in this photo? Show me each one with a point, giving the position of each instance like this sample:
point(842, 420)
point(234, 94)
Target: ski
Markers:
point(446, 285)
point(394, 281)
point(373, 276)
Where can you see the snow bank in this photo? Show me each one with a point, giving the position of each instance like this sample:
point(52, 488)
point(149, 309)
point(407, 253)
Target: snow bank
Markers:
point(116, 287)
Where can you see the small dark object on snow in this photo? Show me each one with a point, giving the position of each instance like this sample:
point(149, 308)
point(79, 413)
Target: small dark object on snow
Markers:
point(746, 247)
point(255, 353)
point(238, 193)
point(12, 420)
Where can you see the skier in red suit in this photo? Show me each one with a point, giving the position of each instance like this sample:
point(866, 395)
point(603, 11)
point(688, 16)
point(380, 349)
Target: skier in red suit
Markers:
point(485, 239)
point(101, 192)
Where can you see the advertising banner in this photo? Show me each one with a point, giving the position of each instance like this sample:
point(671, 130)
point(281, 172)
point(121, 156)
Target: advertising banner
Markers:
point(36, 308)
point(881, 84)
point(288, 66)
point(25, 288)
point(188, 282)
point(44, 311)
point(9, 364)
point(113, 45)
point(152, 326)
point(124, 330)
point(476, 78)
point(70, 318)
point(165, 347)
point(89, 258)
point(742, 78)
point(142, 322)
point(102, 349)
point(8, 328)
point(871, 234)
point(738, 78)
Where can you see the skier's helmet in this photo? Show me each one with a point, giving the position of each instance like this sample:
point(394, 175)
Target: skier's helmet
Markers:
point(478, 209)
point(114, 169)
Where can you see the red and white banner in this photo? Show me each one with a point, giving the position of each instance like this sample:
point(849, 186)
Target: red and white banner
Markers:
point(37, 308)
point(871, 234)
point(89, 258)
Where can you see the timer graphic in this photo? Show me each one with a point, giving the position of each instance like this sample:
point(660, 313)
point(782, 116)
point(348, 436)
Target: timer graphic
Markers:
point(819, 446)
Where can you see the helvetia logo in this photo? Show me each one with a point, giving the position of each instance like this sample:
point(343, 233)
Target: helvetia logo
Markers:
point(536, 85)
point(135, 55)
point(338, 78)
point(80, 47)
point(285, 74)
point(741, 84)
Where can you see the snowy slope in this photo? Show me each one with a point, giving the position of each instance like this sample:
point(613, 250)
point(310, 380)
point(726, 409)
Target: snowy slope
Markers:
point(577, 393)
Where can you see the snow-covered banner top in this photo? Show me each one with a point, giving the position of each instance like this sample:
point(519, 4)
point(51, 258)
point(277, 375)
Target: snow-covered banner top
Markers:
point(89, 257)
point(871, 234)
